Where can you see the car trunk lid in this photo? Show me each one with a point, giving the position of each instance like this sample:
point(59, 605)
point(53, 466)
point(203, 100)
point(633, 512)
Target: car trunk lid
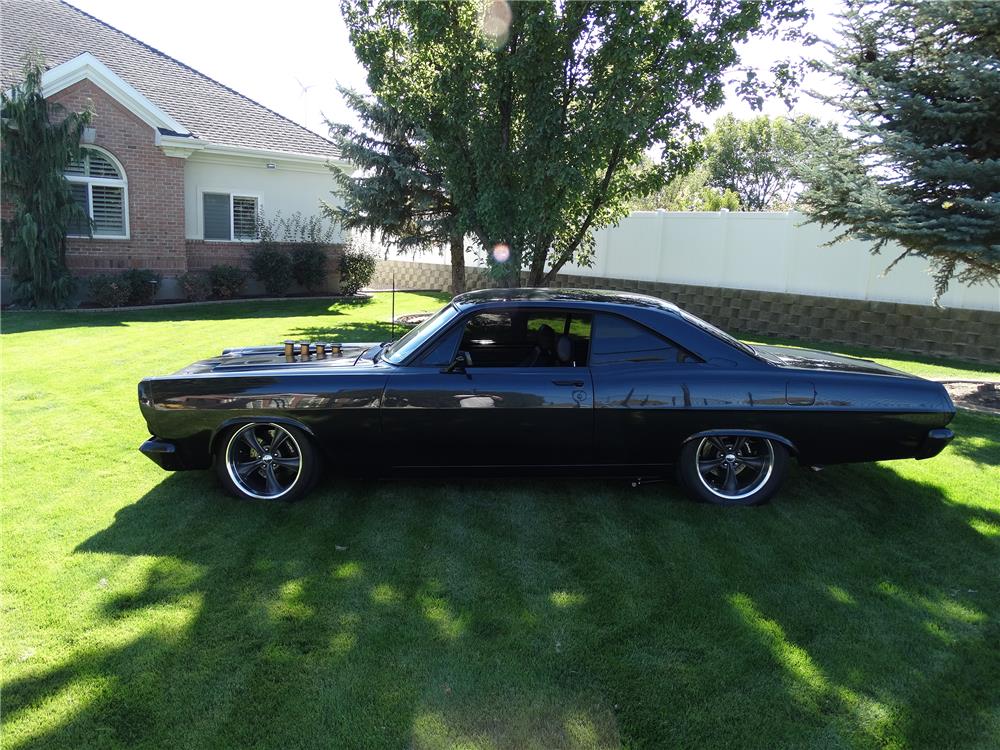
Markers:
point(811, 359)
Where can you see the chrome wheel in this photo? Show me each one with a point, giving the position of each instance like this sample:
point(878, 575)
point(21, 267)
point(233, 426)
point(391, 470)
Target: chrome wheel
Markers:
point(264, 461)
point(734, 468)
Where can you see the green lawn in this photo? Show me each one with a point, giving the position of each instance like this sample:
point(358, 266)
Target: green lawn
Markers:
point(143, 609)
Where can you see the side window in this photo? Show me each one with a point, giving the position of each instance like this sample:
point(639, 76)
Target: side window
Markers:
point(618, 340)
point(229, 217)
point(527, 338)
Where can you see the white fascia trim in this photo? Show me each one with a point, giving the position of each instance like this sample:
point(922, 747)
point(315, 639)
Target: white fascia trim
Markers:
point(191, 145)
point(86, 66)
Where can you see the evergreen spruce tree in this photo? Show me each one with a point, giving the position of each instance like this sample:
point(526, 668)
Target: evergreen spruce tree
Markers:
point(920, 163)
point(399, 193)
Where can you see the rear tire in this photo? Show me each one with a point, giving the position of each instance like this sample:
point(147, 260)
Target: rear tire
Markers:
point(266, 461)
point(732, 469)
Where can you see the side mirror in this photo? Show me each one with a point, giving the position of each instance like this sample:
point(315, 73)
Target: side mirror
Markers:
point(461, 361)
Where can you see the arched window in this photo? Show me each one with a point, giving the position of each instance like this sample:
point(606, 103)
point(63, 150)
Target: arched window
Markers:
point(101, 190)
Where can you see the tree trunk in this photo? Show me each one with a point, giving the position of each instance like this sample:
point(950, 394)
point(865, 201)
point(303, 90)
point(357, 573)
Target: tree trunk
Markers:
point(457, 242)
point(536, 276)
point(536, 271)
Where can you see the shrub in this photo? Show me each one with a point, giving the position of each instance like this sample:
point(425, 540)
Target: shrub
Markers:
point(142, 285)
point(357, 268)
point(272, 267)
point(108, 291)
point(196, 286)
point(309, 266)
point(226, 281)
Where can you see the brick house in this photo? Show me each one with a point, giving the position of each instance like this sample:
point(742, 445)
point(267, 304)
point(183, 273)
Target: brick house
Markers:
point(177, 165)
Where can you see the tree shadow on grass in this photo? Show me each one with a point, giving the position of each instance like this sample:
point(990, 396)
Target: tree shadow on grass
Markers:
point(375, 332)
point(978, 436)
point(858, 609)
point(20, 322)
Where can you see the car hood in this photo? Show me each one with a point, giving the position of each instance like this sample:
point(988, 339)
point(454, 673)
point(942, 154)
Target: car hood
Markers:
point(811, 359)
point(258, 358)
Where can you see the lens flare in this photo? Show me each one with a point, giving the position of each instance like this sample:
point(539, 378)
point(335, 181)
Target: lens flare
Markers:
point(501, 252)
point(495, 22)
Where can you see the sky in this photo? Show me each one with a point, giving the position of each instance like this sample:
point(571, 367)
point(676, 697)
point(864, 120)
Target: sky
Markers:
point(290, 56)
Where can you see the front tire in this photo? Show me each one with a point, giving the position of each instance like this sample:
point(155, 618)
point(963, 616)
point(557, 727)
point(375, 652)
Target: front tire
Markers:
point(266, 461)
point(733, 470)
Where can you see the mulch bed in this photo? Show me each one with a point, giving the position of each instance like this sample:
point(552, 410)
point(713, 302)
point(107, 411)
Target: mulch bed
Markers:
point(975, 395)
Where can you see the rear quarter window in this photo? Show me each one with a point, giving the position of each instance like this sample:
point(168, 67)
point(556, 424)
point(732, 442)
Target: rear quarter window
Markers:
point(619, 340)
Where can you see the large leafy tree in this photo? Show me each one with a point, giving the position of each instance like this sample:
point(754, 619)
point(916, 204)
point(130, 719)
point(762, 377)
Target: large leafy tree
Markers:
point(920, 162)
point(757, 158)
point(399, 192)
point(39, 142)
point(688, 192)
point(538, 114)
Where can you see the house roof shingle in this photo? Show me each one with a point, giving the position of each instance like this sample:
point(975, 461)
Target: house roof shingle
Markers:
point(210, 110)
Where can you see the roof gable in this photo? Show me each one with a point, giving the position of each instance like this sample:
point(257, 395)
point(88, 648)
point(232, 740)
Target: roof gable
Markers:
point(86, 66)
point(203, 107)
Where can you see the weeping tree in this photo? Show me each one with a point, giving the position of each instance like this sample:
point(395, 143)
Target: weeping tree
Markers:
point(919, 164)
point(538, 115)
point(399, 191)
point(39, 141)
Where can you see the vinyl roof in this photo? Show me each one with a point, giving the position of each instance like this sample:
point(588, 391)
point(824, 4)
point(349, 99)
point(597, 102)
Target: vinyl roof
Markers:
point(562, 295)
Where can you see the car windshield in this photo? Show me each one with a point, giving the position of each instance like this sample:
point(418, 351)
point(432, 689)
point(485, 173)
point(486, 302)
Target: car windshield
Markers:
point(718, 333)
point(399, 351)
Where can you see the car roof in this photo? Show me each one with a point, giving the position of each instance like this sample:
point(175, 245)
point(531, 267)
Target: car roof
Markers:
point(563, 296)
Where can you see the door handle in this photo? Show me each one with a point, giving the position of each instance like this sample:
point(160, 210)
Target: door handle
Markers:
point(573, 383)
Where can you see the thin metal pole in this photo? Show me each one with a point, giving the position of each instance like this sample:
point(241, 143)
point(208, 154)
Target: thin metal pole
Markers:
point(392, 327)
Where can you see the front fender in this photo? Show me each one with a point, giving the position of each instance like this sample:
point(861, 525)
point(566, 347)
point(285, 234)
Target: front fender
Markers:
point(745, 433)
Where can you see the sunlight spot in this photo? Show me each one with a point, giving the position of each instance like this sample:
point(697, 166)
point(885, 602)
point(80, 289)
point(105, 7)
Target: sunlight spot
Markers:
point(289, 604)
point(291, 589)
point(343, 642)
point(986, 528)
point(839, 595)
point(566, 599)
point(385, 594)
point(43, 718)
point(436, 610)
point(888, 588)
point(581, 729)
point(875, 717)
point(793, 658)
point(939, 631)
point(940, 607)
point(431, 730)
point(347, 571)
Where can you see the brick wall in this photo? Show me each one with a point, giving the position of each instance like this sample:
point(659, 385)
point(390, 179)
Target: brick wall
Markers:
point(155, 192)
point(970, 335)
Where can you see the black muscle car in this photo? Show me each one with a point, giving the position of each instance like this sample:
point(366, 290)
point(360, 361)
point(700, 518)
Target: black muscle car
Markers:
point(526, 380)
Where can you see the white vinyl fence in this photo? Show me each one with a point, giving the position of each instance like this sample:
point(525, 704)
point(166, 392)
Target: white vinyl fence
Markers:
point(766, 251)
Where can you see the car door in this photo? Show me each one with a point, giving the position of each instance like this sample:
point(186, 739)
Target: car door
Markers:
point(515, 404)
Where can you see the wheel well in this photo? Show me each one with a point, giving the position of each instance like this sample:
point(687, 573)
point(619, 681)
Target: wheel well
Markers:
point(223, 428)
point(745, 433)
